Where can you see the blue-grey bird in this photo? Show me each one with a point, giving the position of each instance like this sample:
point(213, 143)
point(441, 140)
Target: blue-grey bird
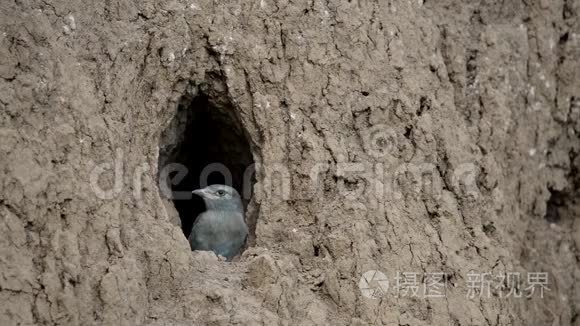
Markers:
point(221, 228)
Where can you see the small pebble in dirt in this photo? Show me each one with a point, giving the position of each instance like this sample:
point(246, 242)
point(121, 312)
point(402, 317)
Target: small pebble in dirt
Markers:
point(70, 19)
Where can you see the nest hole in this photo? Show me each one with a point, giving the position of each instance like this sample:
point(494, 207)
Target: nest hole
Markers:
point(205, 143)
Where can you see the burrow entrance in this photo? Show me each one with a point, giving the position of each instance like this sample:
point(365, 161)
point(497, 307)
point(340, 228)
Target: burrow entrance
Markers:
point(205, 130)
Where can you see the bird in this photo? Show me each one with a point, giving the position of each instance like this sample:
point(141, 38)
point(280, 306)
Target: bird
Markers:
point(221, 228)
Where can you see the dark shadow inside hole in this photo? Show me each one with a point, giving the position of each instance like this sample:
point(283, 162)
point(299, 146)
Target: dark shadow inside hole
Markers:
point(556, 203)
point(205, 132)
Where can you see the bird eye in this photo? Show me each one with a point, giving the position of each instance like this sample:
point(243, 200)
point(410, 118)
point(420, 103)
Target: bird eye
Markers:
point(221, 192)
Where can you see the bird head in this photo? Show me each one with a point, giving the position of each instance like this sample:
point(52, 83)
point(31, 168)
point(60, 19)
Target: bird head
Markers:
point(220, 197)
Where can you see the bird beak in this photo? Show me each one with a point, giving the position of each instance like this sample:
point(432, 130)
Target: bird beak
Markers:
point(199, 192)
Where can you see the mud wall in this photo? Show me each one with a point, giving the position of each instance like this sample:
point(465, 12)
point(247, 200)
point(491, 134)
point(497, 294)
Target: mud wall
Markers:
point(370, 99)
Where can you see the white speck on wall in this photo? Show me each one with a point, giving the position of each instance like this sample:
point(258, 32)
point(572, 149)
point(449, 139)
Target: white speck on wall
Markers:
point(532, 151)
point(522, 26)
point(81, 140)
point(548, 84)
point(552, 44)
point(326, 13)
point(564, 298)
point(532, 91)
point(171, 56)
point(262, 4)
point(184, 51)
point(193, 6)
point(542, 77)
point(66, 29)
point(71, 21)
point(294, 230)
point(292, 116)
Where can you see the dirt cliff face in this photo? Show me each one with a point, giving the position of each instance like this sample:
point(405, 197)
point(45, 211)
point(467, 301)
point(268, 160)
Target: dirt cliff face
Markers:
point(396, 136)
